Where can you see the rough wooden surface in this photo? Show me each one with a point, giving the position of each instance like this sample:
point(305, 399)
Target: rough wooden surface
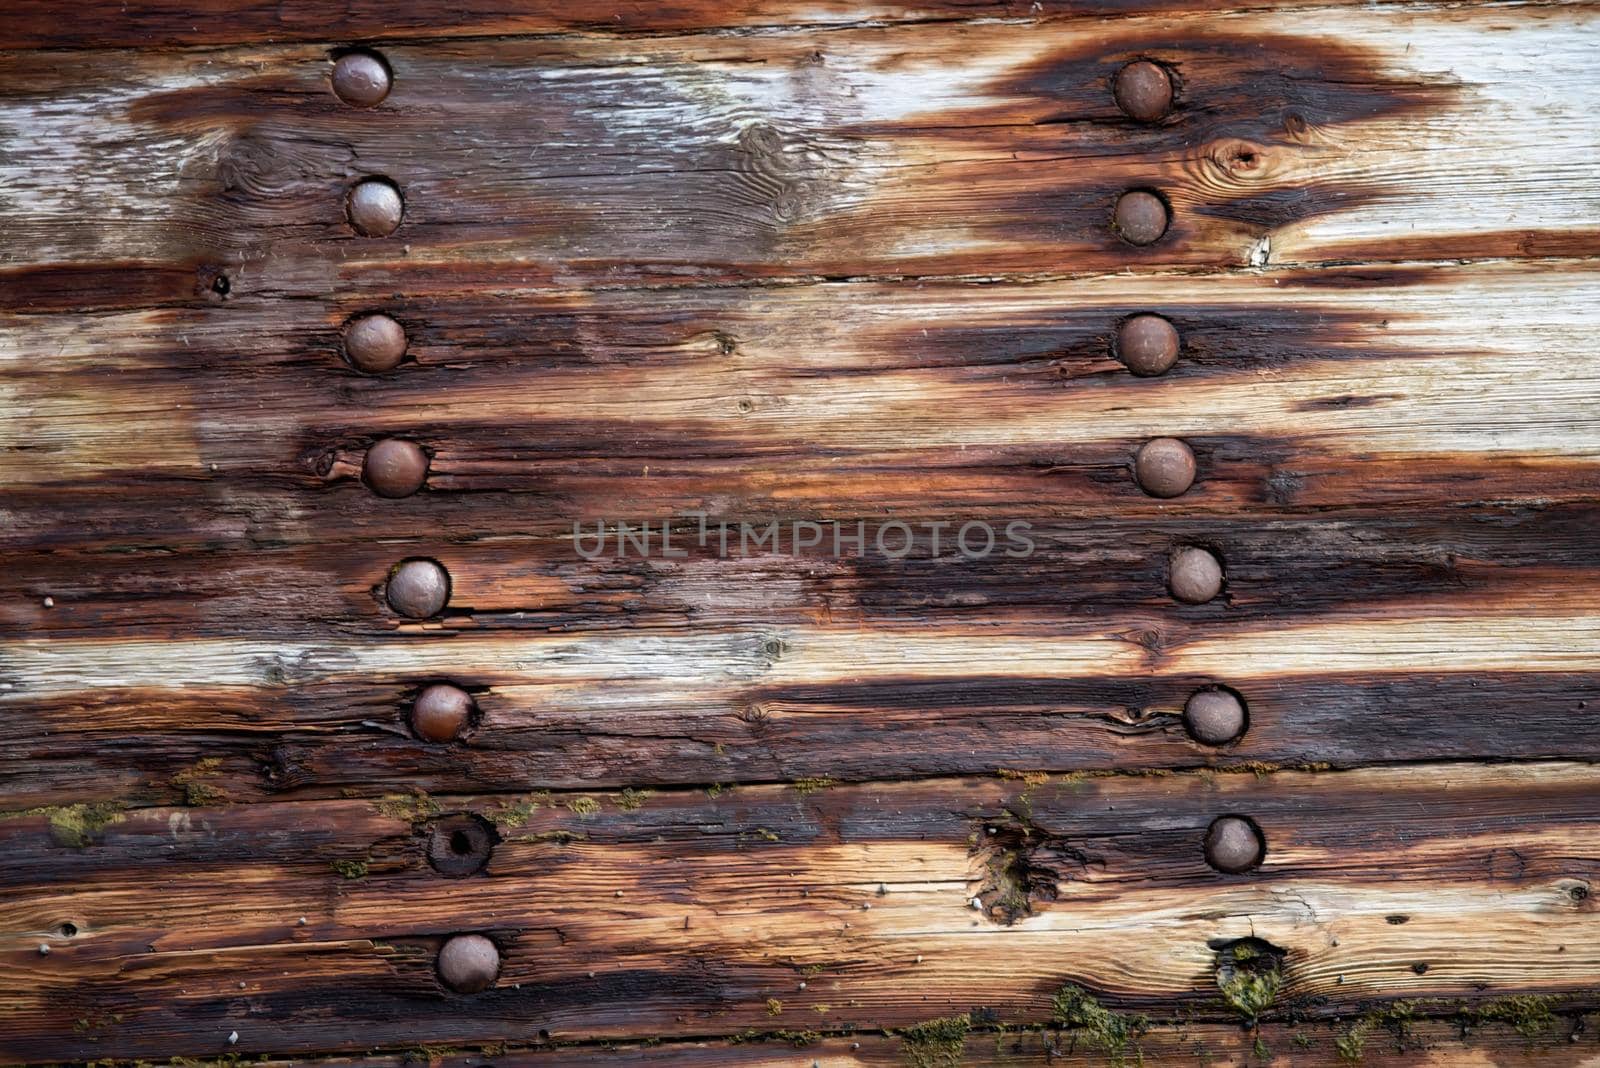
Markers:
point(772, 262)
point(853, 906)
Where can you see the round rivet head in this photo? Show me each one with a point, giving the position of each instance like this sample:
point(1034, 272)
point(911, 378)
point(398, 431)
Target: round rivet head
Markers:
point(361, 79)
point(1214, 717)
point(1140, 218)
point(460, 845)
point(374, 343)
point(1143, 90)
point(1164, 467)
point(395, 468)
point(1234, 844)
point(418, 589)
point(1148, 345)
point(375, 208)
point(469, 964)
point(440, 712)
point(1194, 575)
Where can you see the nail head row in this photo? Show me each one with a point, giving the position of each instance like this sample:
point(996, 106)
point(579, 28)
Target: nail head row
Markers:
point(416, 588)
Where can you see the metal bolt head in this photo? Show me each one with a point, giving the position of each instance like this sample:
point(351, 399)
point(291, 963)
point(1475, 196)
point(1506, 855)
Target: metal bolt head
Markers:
point(418, 589)
point(1141, 217)
point(1194, 575)
point(440, 712)
point(1143, 90)
point(395, 468)
point(1234, 844)
point(1214, 717)
point(1164, 467)
point(375, 207)
point(1148, 345)
point(374, 343)
point(361, 79)
point(469, 963)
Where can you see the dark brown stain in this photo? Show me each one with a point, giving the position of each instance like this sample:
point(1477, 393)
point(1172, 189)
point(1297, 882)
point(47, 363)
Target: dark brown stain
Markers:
point(316, 738)
point(1072, 349)
point(1246, 96)
point(115, 286)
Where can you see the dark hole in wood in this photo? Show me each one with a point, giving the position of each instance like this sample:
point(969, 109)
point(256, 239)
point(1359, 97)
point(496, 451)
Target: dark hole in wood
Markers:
point(460, 845)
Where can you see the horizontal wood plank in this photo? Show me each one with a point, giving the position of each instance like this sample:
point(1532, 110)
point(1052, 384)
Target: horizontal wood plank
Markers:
point(168, 23)
point(1480, 1033)
point(683, 914)
point(242, 426)
point(939, 149)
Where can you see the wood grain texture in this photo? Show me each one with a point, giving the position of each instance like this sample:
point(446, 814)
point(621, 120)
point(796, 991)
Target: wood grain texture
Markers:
point(1380, 1041)
point(938, 149)
point(242, 426)
point(799, 264)
point(679, 913)
point(165, 23)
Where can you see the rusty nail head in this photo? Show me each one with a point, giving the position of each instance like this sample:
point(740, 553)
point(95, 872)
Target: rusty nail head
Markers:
point(1234, 844)
point(469, 963)
point(375, 207)
point(1143, 90)
point(418, 589)
point(1214, 717)
point(361, 79)
point(374, 342)
point(395, 468)
point(1141, 217)
point(441, 712)
point(1147, 344)
point(1194, 575)
point(1164, 467)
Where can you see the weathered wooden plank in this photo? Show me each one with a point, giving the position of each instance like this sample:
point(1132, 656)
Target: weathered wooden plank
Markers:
point(165, 23)
point(937, 149)
point(1407, 638)
point(1396, 1035)
point(668, 669)
point(242, 425)
point(691, 912)
point(740, 258)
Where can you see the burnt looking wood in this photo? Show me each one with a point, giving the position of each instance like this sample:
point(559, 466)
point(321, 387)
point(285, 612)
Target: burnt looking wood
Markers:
point(799, 264)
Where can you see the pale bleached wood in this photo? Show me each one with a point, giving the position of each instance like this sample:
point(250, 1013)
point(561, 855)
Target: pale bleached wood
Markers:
point(935, 149)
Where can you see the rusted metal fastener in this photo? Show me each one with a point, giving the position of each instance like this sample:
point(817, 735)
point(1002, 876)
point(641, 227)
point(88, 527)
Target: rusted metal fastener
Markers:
point(1164, 467)
point(1194, 575)
point(1214, 717)
point(1147, 344)
point(1141, 217)
point(1143, 90)
point(361, 79)
point(469, 963)
point(418, 589)
point(375, 207)
point(460, 845)
point(395, 468)
point(1234, 844)
point(441, 712)
point(374, 343)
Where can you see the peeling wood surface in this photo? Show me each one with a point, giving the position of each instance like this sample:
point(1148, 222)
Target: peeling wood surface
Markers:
point(801, 264)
